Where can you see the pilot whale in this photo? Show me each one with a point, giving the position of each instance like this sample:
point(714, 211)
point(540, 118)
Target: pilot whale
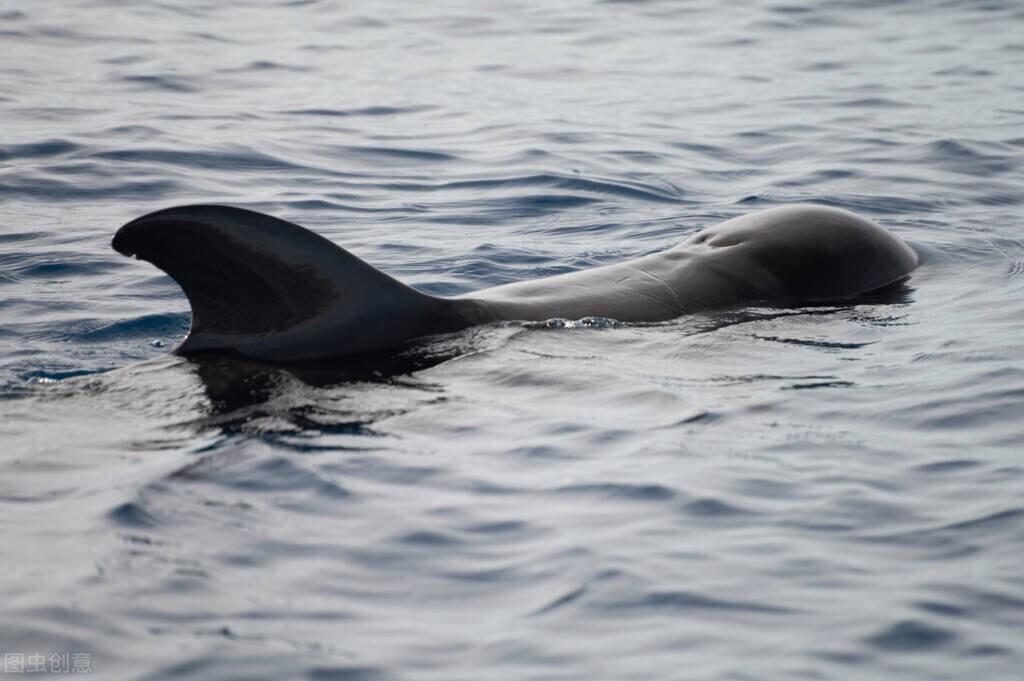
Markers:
point(271, 290)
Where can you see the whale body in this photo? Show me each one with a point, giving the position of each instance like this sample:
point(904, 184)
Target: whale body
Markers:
point(271, 290)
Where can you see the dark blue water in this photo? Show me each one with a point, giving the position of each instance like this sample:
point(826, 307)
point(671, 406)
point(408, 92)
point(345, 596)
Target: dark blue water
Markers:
point(826, 493)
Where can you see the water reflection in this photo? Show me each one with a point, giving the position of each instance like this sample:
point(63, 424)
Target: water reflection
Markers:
point(336, 396)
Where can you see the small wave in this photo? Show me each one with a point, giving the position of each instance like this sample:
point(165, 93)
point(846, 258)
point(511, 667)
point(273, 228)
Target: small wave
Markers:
point(686, 601)
point(133, 514)
point(820, 384)
point(48, 189)
point(814, 342)
point(62, 269)
point(396, 154)
point(711, 508)
point(161, 82)
point(146, 326)
point(365, 111)
point(580, 184)
point(968, 157)
point(959, 538)
point(875, 103)
point(623, 491)
point(562, 601)
point(235, 159)
point(35, 150)
point(259, 475)
point(881, 203)
point(267, 65)
point(911, 636)
point(53, 376)
point(18, 237)
point(429, 539)
point(950, 466)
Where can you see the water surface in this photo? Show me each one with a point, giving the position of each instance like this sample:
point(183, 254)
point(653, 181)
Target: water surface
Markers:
point(821, 493)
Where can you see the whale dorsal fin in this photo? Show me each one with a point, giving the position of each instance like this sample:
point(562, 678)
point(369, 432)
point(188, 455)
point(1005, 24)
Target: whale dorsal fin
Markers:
point(270, 289)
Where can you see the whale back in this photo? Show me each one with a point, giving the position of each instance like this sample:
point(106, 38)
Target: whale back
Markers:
point(781, 256)
point(269, 289)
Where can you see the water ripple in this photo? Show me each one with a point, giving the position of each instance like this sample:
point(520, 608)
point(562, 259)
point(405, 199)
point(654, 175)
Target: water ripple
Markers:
point(827, 492)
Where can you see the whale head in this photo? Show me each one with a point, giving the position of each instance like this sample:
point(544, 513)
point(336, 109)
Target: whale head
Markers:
point(803, 253)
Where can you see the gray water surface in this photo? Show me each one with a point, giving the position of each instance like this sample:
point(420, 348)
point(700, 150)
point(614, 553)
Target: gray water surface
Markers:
point(820, 493)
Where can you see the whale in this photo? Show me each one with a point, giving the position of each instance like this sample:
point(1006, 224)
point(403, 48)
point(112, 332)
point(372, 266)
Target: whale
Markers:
point(270, 290)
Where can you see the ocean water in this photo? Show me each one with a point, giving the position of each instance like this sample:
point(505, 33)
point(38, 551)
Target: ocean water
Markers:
point(759, 494)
